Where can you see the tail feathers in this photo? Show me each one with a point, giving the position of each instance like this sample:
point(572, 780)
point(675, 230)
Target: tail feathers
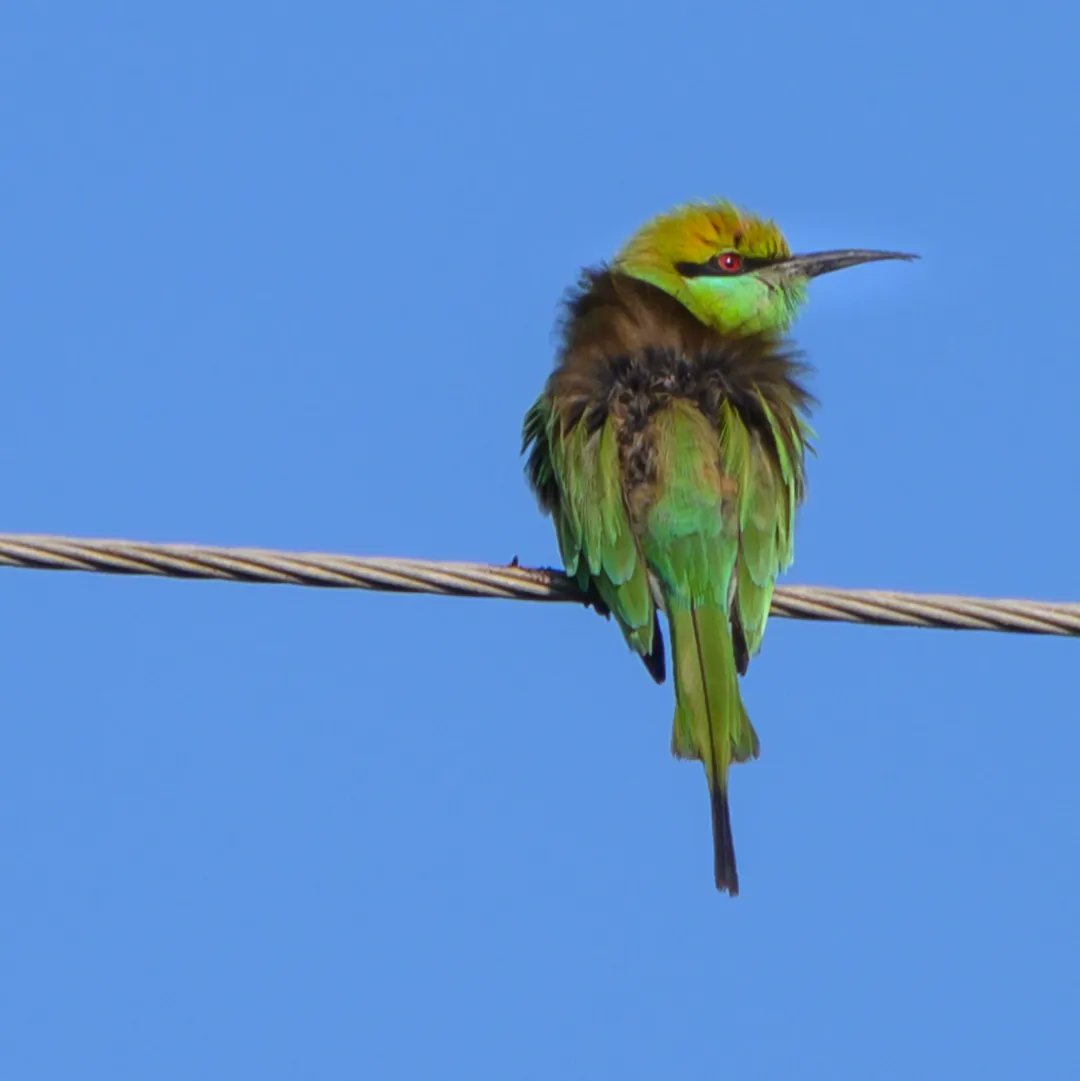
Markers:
point(724, 870)
point(710, 722)
point(744, 741)
point(708, 706)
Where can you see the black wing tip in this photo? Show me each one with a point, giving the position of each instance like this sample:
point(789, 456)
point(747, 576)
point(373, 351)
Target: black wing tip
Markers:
point(725, 873)
point(742, 653)
point(655, 660)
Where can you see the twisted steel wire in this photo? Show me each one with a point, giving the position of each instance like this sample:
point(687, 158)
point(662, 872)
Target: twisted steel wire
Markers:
point(881, 607)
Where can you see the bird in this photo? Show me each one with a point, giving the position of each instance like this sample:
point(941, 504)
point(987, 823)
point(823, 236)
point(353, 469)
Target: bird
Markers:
point(669, 446)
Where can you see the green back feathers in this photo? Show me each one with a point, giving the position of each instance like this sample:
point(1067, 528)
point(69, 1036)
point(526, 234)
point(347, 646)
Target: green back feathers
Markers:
point(690, 530)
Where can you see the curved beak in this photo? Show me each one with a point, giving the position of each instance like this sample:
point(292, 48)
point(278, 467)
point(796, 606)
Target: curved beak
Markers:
point(825, 262)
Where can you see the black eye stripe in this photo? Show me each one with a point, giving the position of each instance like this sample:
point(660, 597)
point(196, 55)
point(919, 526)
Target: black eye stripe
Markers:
point(712, 268)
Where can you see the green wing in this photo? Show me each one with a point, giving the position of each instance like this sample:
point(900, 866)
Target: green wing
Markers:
point(576, 475)
point(769, 472)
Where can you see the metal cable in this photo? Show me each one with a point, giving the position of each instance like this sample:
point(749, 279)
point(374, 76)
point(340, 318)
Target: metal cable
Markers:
point(881, 607)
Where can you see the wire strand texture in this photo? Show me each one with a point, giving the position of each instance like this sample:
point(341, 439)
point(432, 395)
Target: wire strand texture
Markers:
point(511, 582)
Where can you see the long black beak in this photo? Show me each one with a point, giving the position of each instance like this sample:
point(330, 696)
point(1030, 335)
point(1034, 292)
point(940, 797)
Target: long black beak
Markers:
point(824, 262)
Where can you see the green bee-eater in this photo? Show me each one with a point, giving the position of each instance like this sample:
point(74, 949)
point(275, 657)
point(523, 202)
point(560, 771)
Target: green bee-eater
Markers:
point(668, 446)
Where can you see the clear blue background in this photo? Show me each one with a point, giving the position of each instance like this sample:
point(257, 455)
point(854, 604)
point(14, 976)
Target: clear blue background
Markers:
point(286, 275)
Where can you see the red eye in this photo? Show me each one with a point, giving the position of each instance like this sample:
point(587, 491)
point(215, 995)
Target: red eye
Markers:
point(730, 262)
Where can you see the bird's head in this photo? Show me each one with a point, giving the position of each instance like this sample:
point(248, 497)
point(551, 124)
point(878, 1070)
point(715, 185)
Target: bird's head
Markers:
point(733, 271)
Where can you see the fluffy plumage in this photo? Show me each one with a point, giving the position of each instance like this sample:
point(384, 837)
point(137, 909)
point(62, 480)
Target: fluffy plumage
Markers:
point(668, 447)
point(670, 457)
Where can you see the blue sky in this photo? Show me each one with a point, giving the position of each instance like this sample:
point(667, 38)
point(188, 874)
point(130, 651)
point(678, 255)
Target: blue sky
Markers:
point(286, 275)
